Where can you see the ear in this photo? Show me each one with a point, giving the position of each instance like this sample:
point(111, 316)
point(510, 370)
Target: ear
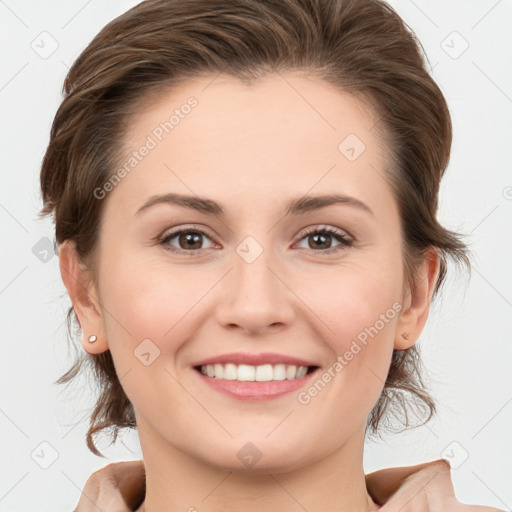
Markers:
point(81, 289)
point(416, 304)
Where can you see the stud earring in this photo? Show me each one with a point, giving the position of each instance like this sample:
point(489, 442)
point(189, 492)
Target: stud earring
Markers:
point(92, 338)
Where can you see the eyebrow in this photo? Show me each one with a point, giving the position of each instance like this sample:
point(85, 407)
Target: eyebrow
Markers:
point(298, 206)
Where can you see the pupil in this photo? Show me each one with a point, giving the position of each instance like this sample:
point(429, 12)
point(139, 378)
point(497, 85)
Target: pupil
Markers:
point(320, 236)
point(191, 239)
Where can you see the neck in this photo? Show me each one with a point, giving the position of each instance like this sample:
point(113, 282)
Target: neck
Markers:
point(178, 481)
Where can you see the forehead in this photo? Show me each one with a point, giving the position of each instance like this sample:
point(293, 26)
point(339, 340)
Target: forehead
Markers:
point(285, 131)
point(277, 103)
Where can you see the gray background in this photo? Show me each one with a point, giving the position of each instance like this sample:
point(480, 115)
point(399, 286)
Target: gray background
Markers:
point(466, 344)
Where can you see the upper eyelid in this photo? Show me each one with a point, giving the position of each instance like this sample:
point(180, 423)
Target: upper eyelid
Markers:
point(174, 232)
point(321, 227)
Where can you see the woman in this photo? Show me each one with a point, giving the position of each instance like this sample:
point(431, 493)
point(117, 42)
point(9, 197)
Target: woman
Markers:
point(245, 199)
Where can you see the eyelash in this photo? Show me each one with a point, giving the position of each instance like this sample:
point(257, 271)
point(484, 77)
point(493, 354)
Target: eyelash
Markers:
point(339, 235)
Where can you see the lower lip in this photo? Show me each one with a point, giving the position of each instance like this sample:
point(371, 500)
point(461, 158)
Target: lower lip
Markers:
point(255, 390)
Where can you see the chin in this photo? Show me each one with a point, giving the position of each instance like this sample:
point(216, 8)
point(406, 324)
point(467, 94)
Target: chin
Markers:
point(258, 457)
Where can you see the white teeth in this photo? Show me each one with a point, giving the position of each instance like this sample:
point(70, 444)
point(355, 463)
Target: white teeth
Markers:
point(291, 372)
point(264, 373)
point(301, 372)
point(248, 373)
point(279, 371)
point(219, 371)
point(230, 372)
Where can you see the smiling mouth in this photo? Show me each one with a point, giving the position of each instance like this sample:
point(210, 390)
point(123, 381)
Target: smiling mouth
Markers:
point(249, 373)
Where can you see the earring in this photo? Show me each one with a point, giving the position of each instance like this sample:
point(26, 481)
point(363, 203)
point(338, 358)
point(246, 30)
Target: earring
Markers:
point(92, 338)
point(405, 336)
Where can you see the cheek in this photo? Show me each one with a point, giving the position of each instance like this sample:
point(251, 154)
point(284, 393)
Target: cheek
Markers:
point(151, 307)
point(149, 315)
point(355, 297)
point(359, 306)
point(149, 303)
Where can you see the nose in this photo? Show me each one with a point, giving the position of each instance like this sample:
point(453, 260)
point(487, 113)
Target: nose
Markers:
point(255, 296)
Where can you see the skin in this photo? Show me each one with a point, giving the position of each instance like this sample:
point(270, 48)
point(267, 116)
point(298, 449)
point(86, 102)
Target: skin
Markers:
point(120, 487)
point(252, 148)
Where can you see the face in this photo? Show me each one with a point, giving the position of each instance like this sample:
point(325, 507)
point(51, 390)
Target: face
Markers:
point(235, 283)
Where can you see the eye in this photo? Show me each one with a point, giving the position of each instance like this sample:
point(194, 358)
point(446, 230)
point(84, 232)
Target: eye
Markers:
point(322, 237)
point(189, 240)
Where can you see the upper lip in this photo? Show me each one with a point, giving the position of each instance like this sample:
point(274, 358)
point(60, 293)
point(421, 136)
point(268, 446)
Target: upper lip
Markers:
point(254, 359)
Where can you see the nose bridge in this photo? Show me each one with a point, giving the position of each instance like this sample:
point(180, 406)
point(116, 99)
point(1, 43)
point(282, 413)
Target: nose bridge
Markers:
point(253, 278)
point(255, 297)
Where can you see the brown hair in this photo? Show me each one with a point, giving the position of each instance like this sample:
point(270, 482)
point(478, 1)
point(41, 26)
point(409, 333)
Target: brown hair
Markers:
point(361, 46)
